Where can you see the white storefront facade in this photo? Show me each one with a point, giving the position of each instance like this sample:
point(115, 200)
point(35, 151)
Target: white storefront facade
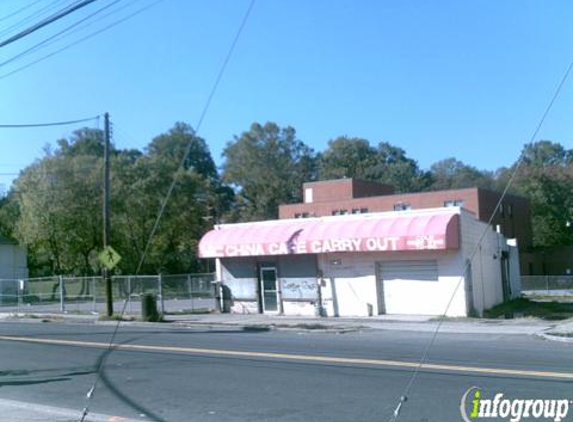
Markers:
point(407, 262)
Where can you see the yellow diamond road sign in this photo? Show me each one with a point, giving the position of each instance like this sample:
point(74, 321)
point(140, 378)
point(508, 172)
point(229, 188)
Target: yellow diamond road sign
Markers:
point(109, 257)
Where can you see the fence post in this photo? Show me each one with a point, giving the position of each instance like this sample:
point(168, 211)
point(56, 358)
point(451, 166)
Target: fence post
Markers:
point(94, 295)
point(160, 293)
point(547, 284)
point(190, 290)
point(129, 294)
point(62, 296)
point(19, 297)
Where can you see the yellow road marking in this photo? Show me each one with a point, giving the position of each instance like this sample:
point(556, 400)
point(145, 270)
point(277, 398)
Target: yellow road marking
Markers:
point(296, 357)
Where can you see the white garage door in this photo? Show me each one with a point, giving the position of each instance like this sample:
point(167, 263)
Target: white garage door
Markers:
point(413, 287)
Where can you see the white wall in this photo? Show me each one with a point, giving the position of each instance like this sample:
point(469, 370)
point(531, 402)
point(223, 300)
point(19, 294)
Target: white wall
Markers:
point(351, 287)
point(429, 297)
point(485, 261)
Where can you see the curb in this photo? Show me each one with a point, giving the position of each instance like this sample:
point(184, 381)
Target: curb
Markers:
point(37, 412)
point(254, 327)
point(556, 338)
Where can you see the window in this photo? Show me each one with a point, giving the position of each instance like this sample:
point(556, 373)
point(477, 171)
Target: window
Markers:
point(359, 210)
point(454, 203)
point(339, 212)
point(363, 210)
point(501, 210)
point(298, 215)
point(402, 207)
point(509, 210)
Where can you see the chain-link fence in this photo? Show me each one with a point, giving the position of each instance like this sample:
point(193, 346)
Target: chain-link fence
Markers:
point(176, 294)
point(550, 285)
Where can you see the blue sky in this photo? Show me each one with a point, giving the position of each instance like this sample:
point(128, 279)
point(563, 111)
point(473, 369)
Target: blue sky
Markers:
point(468, 79)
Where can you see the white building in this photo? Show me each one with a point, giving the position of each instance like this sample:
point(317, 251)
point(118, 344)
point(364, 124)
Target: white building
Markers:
point(405, 262)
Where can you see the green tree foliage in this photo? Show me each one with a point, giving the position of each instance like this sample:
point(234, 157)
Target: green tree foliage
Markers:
point(454, 174)
point(347, 157)
point(356, 158)
point(546, 179)
point(267, 165)
point(59, 199)
point(55, 207)
point(197, 201)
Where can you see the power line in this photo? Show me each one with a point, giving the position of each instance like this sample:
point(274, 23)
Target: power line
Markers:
point(93, 34)
point(63, 123)
point(42, 11)
point(51, 38)
point(46, 22)
point(19, 10)
point(101, 362)
point(518, 164)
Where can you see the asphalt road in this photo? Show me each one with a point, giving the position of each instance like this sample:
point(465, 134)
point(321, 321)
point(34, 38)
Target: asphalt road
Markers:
point(185, 375)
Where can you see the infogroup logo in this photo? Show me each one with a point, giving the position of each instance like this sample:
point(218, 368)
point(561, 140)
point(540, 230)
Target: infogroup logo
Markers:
point(475, 407)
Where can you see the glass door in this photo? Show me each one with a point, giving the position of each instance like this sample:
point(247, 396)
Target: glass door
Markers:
point(269, 289)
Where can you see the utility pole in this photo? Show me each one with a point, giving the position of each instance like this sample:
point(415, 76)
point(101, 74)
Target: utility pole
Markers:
point(106, 215)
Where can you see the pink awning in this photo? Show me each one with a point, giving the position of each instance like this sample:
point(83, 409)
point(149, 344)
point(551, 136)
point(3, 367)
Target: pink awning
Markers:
point(395, 231)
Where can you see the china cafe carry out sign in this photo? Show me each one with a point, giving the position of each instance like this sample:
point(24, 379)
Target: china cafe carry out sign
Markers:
point(370, 244)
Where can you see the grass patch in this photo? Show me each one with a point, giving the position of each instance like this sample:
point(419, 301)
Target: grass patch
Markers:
point(547, 310)
point(439, 318)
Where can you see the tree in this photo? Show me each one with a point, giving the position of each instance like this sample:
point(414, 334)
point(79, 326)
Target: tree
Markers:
point(546, 178)
point(546, 154)
point(347, 157)
point(267, 165)
point(454, 174)
point(356, 158)
point(395, 168)
point(59, 199)
point(141, 183)
point(181, 139)
point(58, 204)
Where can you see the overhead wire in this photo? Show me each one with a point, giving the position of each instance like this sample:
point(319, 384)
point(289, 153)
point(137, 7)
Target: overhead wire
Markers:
point(404, 397)
point(56, 36)
point(49, 20)
point(2, 19)
point(40, 12)
point(85, 38)
point(61, 123)
point(101, 362)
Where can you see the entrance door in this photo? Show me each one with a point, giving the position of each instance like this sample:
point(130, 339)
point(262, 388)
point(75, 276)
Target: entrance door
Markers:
point(269, 291)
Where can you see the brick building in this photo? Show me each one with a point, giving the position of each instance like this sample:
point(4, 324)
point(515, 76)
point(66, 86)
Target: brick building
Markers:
point(350, 196)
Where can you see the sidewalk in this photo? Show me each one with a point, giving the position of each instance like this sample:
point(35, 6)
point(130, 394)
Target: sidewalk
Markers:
point(524, 326)
point(17, 411)
point(380, 322)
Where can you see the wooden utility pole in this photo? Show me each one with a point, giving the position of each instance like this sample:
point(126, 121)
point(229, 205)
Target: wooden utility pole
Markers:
point(106, 215)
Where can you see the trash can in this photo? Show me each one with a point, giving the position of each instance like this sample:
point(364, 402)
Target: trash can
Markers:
point(149, 308)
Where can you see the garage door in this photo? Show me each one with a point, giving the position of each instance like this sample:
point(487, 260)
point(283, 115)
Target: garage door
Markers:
point(413, 287)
